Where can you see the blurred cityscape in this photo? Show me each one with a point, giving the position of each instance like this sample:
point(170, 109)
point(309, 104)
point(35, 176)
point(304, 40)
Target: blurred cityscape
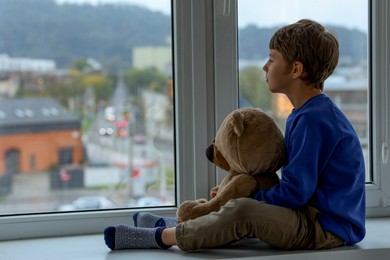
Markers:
point(89, 152)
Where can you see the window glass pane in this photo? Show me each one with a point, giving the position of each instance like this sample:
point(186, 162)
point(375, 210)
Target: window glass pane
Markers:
point(347, 86)
point(86, 109)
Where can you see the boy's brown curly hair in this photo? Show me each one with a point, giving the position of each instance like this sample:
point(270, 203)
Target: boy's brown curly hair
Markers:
point(308, 42)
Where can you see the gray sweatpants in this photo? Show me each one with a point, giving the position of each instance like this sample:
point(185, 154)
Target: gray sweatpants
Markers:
point(278, 226)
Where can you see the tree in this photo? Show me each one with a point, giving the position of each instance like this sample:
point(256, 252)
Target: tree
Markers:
point(74, 88)
point(254, 88)
point(150, 78)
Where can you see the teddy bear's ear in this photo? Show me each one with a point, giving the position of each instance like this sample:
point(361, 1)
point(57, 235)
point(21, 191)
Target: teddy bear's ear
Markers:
point(238, 123)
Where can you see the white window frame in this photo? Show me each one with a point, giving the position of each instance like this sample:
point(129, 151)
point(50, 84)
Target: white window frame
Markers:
point(206, 78)
point(378, 192)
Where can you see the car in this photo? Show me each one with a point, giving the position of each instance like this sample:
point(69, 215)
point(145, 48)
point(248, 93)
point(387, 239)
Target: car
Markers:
point(140, 139)
point(106, 131)
point(109, 113)
point(88, 203)
point(148, 202)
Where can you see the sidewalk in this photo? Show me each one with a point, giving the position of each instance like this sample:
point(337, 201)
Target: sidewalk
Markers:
point(31, 193)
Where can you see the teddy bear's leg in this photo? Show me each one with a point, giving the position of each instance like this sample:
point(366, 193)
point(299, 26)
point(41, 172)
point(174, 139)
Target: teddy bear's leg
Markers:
point(149, 220)
point(128, 237)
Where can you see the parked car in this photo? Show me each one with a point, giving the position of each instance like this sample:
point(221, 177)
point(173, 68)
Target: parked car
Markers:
point(106, 131)
point(148, 202)
point(88, 203)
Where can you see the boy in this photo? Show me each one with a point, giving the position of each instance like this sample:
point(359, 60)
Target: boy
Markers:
point(320, 201)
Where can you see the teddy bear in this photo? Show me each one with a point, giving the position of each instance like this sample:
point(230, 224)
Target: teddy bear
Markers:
point(249, 146)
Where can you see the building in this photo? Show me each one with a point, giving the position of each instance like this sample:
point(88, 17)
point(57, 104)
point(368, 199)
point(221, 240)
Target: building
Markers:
point(37, 134)
point(348, 88)
point(8, 64)
point(159, 57)
point(9, 85)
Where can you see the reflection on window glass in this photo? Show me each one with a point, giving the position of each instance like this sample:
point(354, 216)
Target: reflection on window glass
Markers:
point(347, 86)
point(86, 109)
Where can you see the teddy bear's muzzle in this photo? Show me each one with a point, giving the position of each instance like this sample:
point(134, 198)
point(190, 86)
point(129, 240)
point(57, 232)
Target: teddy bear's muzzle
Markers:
point(210, 153)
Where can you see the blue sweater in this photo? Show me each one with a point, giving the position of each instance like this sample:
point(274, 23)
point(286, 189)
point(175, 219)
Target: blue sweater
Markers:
point(325, 169)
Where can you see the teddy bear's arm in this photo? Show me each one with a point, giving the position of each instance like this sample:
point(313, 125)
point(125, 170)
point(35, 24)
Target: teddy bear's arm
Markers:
point(225, 181)
point(232, 187)
point(214, 191)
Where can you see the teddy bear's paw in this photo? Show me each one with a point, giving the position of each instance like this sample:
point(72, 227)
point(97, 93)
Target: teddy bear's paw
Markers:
point(191, 209)
point(214, 191)
point(183, 212)
point(190, 204)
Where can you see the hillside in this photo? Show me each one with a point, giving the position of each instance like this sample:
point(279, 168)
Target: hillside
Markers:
point(254, 41)
point(43, 29)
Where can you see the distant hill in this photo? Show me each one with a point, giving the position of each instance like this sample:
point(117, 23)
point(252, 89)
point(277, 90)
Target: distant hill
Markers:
point(107, 33)
point(43, 29)
point(253, 42)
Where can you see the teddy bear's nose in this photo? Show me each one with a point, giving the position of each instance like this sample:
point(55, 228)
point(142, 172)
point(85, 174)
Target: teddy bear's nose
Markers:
point(210, 153)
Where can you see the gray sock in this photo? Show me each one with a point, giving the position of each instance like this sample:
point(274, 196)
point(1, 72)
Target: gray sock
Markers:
point(127, 237)
point(149, 220)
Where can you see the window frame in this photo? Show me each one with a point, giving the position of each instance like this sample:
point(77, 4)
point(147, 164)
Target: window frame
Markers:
point(378, 192)
point(206, 89)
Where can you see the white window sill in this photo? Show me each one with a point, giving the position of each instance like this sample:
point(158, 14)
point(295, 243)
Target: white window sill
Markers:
point(376, 246)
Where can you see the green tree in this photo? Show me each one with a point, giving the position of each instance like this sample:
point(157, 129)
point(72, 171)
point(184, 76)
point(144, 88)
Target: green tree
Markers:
point(74, 87)
point(253, 88)
point(150, 78)
point(102, 85)
point(81, 65)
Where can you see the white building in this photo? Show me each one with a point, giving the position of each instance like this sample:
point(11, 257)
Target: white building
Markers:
point(159, 57)
point(9, 86)
point(8, 64)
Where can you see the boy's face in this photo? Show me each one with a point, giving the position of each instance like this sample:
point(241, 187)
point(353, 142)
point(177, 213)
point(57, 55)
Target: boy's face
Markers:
point(277, 72)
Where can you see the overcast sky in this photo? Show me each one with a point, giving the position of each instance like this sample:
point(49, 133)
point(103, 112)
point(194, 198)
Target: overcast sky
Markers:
point(265, 13)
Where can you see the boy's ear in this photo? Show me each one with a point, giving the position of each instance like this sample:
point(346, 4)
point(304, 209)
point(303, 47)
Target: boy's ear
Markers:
point(297, 69)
